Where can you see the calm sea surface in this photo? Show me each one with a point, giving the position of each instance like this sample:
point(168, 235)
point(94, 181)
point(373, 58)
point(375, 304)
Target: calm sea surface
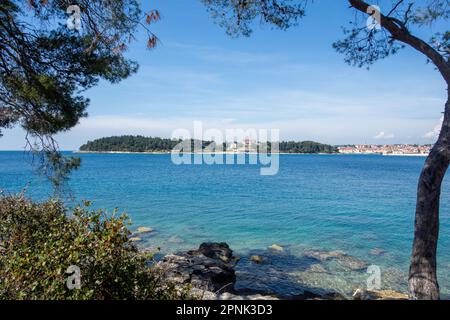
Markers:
point(315, 203)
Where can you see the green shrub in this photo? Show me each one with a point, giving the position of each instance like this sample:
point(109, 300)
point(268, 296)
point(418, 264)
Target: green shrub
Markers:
point(39, 241)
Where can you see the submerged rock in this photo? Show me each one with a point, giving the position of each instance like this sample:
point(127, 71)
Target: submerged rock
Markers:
point(361, 294)
point(345, 260)
point(276, 247)
point(141, 230)
point(325, 255)
point(352, 263)
point(258, 259)
point(316, 268)
point(175, 239)
point(377, 251)
point(151, 250)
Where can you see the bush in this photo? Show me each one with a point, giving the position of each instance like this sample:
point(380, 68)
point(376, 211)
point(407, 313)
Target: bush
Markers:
point(39, 241)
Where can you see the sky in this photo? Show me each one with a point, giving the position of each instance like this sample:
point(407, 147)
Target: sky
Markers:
point(290, 80)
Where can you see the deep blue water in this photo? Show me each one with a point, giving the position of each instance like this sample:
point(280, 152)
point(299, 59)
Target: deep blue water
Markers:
point(353, 203)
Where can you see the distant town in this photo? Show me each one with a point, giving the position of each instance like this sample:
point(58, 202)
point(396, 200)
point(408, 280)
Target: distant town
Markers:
point(396, 149)
point(313, 147)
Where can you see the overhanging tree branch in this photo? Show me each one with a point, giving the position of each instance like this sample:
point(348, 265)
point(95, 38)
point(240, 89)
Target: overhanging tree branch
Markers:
point(400, 33)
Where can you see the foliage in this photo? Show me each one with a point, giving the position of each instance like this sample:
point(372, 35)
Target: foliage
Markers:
point(306, 147)
point(138, 144)
point(56, 167)
point(45, 67)
point(130, 144)
point(39, 241)
point(237, 16)
point(362, 46)
point(155, 144)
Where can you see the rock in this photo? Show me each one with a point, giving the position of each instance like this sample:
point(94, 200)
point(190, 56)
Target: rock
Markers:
point(203, 294)
point(258, 259)
point(135, 239)
point(316, 268)
point(230, 296)
point(276, 247)
point(331, 296)
point(210, 268)
point(141, 230)
point(151, 250)
point(209, 274)
point(361, 294)
point(341, 257)
point(352, 263)
point(215, 251)
point(325, 255)
point(208, 295)
point(175, 239)
point(377, 251)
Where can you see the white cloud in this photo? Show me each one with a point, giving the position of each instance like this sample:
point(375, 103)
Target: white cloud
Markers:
point(333, 130)
point(433, 134)
point(384, 136)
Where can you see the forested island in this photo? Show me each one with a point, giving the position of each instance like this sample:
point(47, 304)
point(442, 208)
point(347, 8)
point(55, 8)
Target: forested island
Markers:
point(142, 144)
point(130, 144)
point(306, 147)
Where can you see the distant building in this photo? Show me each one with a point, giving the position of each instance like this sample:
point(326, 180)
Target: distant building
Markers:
point(399, 149)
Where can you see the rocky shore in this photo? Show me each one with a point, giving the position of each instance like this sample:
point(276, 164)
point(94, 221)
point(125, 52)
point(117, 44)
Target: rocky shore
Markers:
point(210, 272)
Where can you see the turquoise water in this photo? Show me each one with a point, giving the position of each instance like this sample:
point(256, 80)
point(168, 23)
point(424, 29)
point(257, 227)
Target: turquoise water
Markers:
point(353, 203)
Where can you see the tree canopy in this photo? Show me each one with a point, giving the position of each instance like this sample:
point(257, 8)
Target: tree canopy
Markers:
point(46, 66)
point(362, 46)
point(156, 144)
point(130, 144)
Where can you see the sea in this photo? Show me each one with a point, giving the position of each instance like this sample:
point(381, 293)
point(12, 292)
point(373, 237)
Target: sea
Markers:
point(340, 219)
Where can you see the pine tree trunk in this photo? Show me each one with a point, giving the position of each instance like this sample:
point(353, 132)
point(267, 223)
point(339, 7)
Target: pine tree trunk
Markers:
point(423, 282)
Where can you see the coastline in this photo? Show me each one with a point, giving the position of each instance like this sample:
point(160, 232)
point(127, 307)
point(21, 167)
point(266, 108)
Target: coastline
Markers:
point(229, 280)
point(407, 155)
point(169, 152)
point(281, 153)
point(120, 152)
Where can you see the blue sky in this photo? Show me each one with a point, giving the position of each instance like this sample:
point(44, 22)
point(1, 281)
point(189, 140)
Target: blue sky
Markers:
point(288, 80)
